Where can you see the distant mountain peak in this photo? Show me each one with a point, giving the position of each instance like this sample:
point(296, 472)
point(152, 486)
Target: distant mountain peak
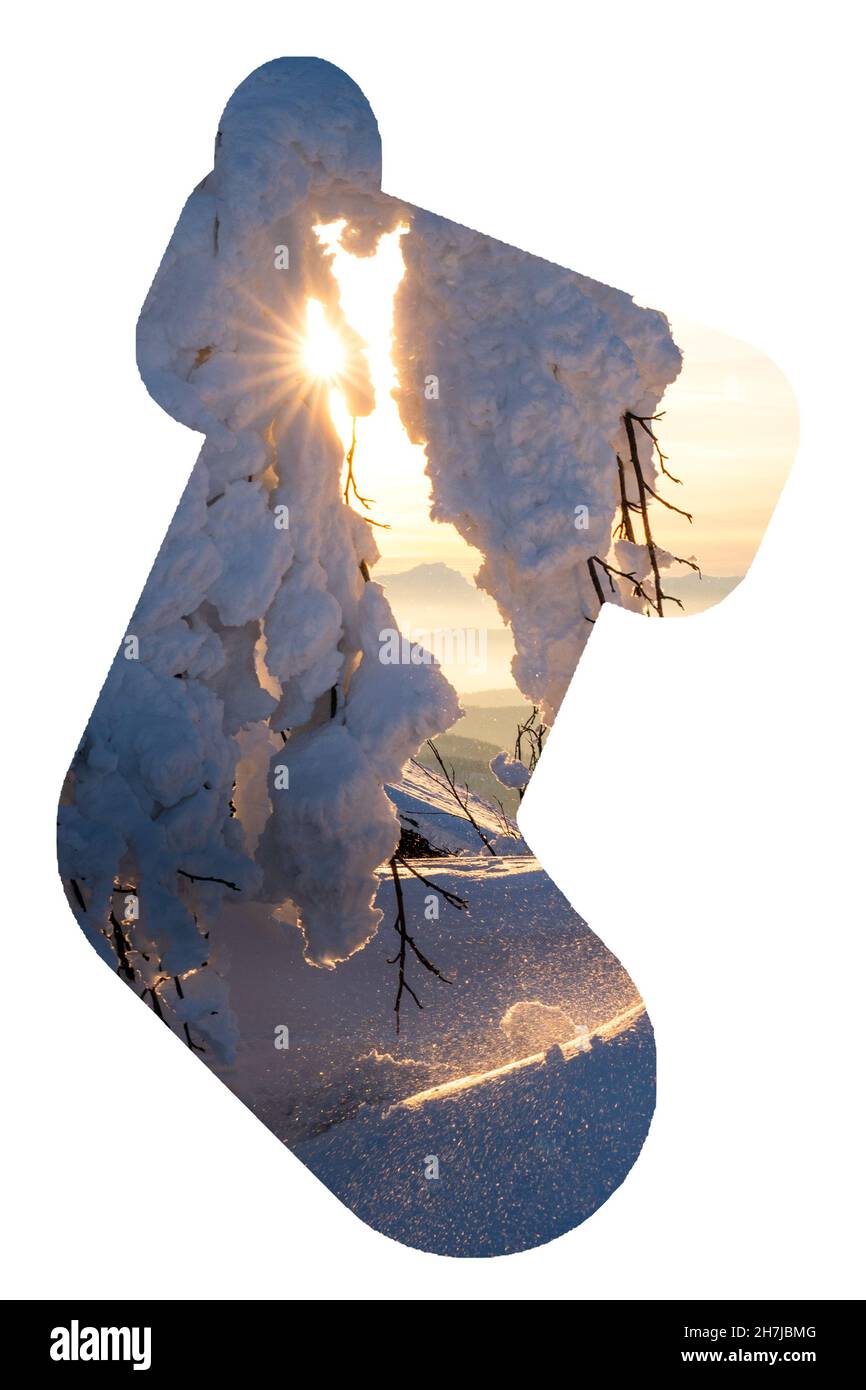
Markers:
point(429, 576)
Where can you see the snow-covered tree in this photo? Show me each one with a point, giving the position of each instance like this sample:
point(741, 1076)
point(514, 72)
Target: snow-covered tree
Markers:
point(247, 730)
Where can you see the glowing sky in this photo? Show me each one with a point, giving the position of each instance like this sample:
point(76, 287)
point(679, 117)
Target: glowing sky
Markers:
point(730, 429)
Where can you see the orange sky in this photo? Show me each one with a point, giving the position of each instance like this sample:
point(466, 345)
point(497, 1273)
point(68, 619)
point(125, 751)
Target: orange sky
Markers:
point(730, 430)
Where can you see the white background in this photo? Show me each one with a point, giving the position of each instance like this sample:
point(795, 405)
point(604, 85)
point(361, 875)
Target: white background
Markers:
point(704, 158)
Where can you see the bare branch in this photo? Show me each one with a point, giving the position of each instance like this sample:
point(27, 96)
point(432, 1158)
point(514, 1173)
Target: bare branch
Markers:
point(462, 802)
point(644, 421)
point(625, 527)
point(407, 941)
point(453, 898)
point(122, 946)
point(366, 502)
point(533, 731)
point(189, 1042)
point(678, 560)
point(629, 420)
point(670, 506)
point(351, 484)
point(206, 878)
point(638, 590)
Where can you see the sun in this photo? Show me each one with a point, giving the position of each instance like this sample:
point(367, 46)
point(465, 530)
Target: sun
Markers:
point(324, 355)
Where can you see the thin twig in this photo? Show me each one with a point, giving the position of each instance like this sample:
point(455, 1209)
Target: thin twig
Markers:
point(122, 947)
point(453, 898)
point(625, 527)
point(351, 483)
point(207, 878)
point(678, 560)
point(507, 827)
point(189, 1042)
point(638, 590)
point(670, 506)
point(534, 732)
point(644, 421)
point(644, 508)
point(463, 804)
point(406, 940)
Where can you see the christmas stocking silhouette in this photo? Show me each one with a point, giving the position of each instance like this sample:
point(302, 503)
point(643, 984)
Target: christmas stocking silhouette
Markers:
point(429, 459)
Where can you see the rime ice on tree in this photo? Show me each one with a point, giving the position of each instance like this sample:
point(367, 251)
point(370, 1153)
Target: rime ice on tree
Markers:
point(250, 744)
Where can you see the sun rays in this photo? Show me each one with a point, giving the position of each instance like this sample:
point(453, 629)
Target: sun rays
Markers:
point(323, 352)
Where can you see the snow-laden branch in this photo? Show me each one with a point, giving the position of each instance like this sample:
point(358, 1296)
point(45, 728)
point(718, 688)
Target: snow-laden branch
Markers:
point(243, 740)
